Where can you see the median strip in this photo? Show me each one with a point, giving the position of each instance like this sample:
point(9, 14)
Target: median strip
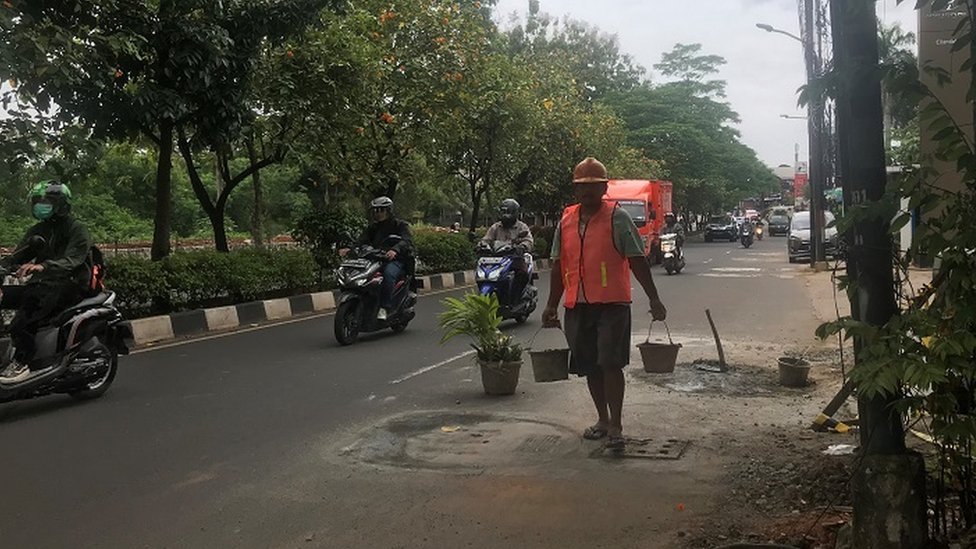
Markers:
point(186, 324)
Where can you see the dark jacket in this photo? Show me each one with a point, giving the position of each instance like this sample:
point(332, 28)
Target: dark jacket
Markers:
point(376, 234)
point(66, 256)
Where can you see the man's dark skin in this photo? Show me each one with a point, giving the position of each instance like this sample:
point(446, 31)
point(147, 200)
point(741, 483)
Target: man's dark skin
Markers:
point(607, 388)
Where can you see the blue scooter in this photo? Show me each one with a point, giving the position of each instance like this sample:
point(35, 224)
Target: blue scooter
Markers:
point(498, 273)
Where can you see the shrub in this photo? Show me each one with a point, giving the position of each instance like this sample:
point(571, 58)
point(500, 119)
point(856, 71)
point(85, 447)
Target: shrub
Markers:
point(440, 252)
point(138, 282)
point(547, 233)
point(541, 248)
point(203, 278)
point(322, 231)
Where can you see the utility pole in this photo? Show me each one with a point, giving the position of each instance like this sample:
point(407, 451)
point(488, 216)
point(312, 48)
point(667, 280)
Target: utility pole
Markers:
point(815, 123)
point(889, 485)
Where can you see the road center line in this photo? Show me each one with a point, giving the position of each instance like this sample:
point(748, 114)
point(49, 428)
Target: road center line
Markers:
point(426, 369)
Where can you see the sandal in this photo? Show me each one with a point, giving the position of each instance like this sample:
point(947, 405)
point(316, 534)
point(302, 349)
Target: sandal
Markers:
point(615, 441)
point(595, 432)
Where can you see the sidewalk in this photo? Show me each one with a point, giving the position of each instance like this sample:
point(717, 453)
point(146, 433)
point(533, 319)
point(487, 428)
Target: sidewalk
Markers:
point(830, 302)
point(524, 468)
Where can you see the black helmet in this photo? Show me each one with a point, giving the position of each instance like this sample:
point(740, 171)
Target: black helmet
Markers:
point(670, 217)
point(508, 212)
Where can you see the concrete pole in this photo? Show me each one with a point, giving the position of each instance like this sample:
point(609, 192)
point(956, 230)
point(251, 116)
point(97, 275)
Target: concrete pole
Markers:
point(815, 123)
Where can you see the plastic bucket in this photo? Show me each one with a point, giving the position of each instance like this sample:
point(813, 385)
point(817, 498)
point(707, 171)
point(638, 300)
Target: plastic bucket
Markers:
point(659, 358)
point(500, 378)
point(550, 365)
point(793, 372)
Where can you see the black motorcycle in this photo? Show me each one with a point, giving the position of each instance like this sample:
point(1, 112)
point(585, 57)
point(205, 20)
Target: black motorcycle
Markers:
point(77, 352)
point(746, 235)
point(498, 273)
point(360, 278)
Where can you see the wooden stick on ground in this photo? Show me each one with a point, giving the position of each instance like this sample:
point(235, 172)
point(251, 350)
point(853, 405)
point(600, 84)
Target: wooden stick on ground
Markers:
point(718, 342)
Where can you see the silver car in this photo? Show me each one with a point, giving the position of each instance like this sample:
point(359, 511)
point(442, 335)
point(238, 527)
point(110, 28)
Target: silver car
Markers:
point(799, 240)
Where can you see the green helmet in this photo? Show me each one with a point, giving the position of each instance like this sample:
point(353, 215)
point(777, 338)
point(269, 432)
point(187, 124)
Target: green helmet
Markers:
point(53, 193)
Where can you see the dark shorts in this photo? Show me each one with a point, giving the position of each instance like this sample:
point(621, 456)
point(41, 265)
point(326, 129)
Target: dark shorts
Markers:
point(598, 336)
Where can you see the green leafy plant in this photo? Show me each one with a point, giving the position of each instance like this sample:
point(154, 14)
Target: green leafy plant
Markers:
point(322, 231)
point(440, 252)
point(476, 316)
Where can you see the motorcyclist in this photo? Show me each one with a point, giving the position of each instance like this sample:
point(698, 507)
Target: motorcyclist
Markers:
point(671, 226)
point(511, 230)
point(59, 274)
point(398, 257)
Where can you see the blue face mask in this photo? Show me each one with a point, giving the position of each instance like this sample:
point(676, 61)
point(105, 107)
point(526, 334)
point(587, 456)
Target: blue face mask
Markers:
point(43, 212)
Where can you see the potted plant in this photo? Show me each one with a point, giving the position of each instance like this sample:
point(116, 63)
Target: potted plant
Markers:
point(499, 357)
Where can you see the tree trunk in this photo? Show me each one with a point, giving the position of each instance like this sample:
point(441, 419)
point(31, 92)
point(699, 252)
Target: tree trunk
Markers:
point(219, 229)
point(475, 207)
point(257, 216)
point(164, 189)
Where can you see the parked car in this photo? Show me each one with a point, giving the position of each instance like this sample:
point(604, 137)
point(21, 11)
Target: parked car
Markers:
point(721, 227)
point(799, 240)
point(778, 225)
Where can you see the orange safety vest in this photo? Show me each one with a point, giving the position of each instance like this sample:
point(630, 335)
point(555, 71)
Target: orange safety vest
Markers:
point(590, 262)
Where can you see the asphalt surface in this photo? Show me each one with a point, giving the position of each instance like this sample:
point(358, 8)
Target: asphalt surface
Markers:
point(182, 449)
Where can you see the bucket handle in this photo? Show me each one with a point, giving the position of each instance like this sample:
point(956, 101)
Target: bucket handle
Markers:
point(531, 341)
point(648, 340)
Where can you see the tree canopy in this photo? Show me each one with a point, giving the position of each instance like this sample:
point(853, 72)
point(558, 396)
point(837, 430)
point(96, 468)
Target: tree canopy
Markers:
point(159, 113)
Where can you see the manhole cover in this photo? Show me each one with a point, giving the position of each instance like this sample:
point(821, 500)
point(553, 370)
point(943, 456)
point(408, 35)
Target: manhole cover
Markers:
point(646, 448)
point(461, 441)
point(538, 445)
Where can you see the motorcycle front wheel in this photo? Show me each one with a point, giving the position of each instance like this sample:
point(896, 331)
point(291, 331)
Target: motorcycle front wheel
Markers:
point(347, 323)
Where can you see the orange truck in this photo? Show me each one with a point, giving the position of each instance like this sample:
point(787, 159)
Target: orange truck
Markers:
point(647, 201)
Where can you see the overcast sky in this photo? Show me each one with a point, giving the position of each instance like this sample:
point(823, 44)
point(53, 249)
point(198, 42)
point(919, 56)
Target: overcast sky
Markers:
point(763, 72)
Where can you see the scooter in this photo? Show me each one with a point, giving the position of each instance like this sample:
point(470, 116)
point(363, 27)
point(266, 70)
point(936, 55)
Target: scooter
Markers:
point(674, 257)
point(759, 232)
point(497, 274)
point(76, 352)
point(360, 278)
point(746, 235)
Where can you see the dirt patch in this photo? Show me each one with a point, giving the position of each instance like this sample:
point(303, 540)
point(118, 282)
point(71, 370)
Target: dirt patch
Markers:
point(739, 381)
point(791, 494)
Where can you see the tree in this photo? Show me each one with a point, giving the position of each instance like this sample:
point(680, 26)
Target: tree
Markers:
point(487, 129)
point(686, 65)
point(684, 125)
point(127, 67)
point(592, 58)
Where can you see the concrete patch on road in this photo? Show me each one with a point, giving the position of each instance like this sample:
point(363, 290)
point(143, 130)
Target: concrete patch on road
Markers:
point(449, 441)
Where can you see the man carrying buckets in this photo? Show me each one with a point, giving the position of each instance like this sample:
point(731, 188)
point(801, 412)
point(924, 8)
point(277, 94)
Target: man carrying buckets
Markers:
point(591, 254)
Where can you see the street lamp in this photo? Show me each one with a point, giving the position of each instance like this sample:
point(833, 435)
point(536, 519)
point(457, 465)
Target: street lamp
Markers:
point(770, 28)
point(815, 109)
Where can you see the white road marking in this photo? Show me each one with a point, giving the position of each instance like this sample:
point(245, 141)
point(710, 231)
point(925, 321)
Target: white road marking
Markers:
point(426, 369)
point(707, 261)
point(731, 275)
point(737, 269)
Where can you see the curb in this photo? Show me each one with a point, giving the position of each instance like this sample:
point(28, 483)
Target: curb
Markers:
point(197, 322)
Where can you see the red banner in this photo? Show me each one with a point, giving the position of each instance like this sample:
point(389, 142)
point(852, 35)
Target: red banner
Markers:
point(799, 182)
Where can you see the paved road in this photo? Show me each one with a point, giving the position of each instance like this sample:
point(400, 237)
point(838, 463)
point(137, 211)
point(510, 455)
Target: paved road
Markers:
point(163, 458)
